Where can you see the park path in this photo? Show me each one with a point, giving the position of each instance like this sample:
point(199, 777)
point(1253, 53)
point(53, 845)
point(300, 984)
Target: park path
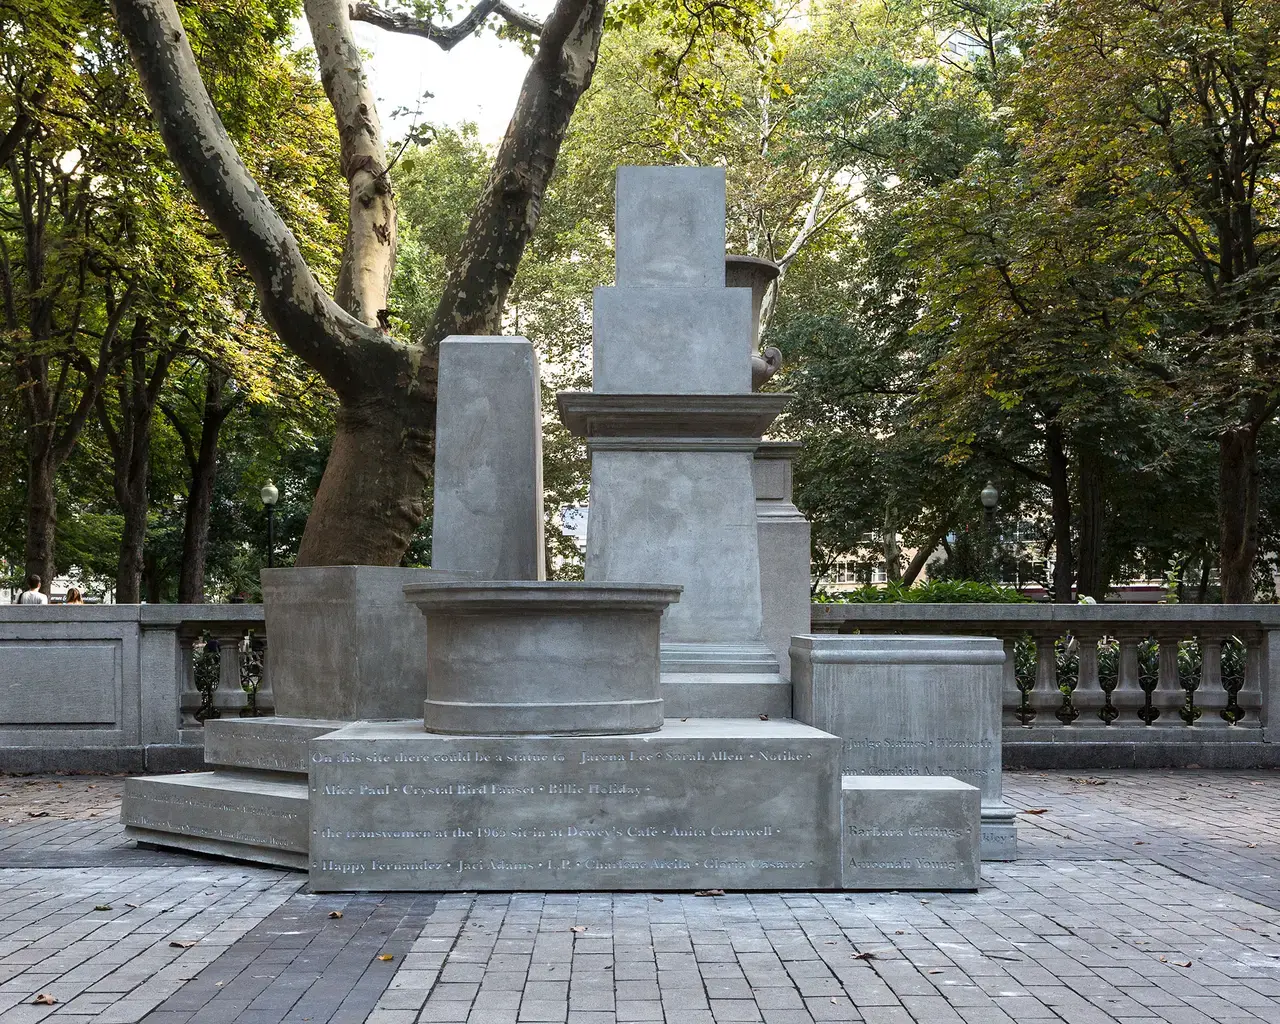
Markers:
point(1138, 897)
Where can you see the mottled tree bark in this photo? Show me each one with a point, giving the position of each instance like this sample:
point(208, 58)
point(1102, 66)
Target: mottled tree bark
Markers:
point(369, 254)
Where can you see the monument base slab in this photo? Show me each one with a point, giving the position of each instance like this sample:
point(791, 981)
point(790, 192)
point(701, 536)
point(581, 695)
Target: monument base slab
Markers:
point(724, 803)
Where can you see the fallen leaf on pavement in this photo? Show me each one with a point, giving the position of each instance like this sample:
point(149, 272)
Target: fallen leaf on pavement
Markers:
point(1001, 956)
point(1139, 842)
point(709, 892)
point(1250, 845)
point(132, 906)
point(1036, 810)
point(765, 718)
point(103, 906)
point(183, 943)
point(870, 954)
point(578, 928)
point(386, 956)
point(335, 913)
point(1084, 780)
point(43, 999)
point(37, 814)
point(1182, 963)
point(936, 970)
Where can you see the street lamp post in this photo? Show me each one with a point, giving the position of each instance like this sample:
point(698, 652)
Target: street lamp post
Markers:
point(990, 498)
point(270, 495)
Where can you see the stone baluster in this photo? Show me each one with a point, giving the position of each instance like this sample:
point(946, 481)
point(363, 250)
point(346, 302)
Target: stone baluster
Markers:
point(1011, 694)
point(1128, 697)
point(229, 699)
point(1249, 696)
point(1211, 696)
point(1011, 691)
point(1168, 698)
point(1045, 698)
point(190, 699)
point(1088, 697)
point(266, 699)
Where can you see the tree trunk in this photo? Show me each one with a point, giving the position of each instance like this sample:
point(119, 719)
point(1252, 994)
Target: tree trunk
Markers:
point(918, 560)
point(369, 253)
point(1238, 511)
point(42, 511)
point(1060, 491)
point(370, 500)
point(138, 390)
point(1091, 576)
point(204, 472)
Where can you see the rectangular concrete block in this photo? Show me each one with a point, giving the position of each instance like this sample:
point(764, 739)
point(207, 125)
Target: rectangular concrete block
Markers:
point(910, 832)
point(669, 226)
point(252, 816)
point(729, 804)
point(487, 517)
point(344, 643)
point(671, 341)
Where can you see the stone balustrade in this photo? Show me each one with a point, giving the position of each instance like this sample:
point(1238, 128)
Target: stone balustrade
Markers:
point(128, 687)
point(118, 687)
point(1115, 685)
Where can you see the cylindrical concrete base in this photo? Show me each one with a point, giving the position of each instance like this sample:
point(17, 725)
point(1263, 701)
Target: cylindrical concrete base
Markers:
point(542, 658)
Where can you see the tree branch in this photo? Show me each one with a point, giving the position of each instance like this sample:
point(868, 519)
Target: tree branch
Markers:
point(369, 253)
point(444, 36)
point(344, 350)
point(508, 210)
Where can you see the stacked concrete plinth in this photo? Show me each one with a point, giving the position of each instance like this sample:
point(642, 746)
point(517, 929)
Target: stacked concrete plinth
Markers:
point(915, 706)
point(672, 426)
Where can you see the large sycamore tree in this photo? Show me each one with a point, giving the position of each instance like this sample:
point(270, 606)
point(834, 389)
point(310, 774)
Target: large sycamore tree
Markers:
point(370, 500)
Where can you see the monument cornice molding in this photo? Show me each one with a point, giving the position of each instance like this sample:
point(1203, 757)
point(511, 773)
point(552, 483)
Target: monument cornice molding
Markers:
point(591, 415)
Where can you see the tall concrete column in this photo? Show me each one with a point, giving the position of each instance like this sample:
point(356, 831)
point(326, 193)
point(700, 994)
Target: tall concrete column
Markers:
point(487, 518)
point(672, 427)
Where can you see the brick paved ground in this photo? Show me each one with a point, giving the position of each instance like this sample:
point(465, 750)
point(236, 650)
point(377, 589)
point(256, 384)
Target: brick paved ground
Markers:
point(1153, 898)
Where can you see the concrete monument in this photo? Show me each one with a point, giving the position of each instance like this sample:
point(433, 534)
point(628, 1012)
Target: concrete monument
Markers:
point(698, 804)
point(626, 732)
point(783, 532)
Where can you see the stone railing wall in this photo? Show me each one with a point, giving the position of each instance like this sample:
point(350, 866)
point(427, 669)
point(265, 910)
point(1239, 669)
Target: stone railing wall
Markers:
point(118, 687)
point(1115, 685)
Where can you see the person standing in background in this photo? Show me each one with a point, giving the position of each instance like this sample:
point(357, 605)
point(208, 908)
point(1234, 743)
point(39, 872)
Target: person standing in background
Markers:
point(74, 596)
point(32, 594)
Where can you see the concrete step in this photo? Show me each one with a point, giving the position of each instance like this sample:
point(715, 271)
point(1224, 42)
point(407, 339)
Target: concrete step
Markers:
point(261, 817)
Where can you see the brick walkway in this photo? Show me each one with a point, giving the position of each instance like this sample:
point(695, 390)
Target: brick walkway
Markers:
point(1151, 898)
